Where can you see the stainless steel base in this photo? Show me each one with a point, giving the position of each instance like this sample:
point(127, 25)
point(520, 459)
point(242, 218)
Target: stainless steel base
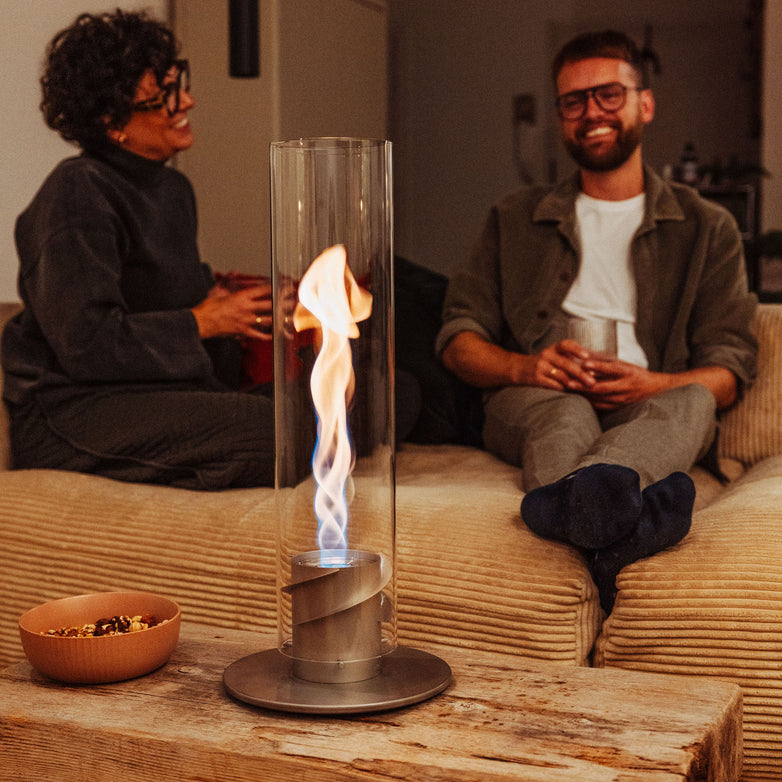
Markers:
point(406, 676)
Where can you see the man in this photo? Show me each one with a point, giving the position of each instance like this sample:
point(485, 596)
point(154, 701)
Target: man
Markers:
point(604, 443)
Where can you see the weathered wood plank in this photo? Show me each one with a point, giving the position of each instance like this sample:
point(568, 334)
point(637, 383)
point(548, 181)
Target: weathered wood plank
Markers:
point(502, 718)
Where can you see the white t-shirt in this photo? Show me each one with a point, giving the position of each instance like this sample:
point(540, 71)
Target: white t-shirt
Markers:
point(605, 285)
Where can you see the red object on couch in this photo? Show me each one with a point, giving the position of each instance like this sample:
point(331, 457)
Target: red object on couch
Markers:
point(258, 354)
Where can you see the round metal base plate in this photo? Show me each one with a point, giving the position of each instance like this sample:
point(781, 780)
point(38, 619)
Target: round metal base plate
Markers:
point(406, 676)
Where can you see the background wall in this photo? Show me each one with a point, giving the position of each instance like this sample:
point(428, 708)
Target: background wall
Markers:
point(323, 73)
point(29, 149)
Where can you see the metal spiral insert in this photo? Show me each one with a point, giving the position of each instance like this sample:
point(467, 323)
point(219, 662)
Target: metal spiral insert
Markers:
point(337, 613)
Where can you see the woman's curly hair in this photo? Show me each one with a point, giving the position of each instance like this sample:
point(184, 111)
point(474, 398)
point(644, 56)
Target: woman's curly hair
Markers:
point(93, 67)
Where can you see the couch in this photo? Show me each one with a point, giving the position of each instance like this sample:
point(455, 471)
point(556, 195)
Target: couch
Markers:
point(468, 572)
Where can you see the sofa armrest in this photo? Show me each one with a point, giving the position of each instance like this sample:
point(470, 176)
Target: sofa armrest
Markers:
point(7, 311)
point(752, 430)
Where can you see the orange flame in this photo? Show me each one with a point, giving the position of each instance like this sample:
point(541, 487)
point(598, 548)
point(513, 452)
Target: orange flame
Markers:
point(331, 300)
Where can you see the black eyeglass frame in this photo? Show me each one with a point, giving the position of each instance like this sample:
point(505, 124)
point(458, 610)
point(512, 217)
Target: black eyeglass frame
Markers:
point(594, 93)
point(169, 92)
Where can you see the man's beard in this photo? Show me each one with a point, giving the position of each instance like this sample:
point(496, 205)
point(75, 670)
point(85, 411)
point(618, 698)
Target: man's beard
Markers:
point(627, 142)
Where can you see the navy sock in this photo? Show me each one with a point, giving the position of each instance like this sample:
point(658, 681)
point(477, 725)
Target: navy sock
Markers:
point(665, 519)
point(592, 507)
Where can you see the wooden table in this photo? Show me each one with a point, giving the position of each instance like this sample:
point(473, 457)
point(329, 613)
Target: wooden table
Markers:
point(502, 718)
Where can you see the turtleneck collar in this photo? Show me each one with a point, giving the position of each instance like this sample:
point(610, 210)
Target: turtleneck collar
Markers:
point(133, 166)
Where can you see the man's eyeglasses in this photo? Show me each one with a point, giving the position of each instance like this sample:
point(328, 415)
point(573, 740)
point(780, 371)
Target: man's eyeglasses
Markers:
point(168, 97)
point(609, 97)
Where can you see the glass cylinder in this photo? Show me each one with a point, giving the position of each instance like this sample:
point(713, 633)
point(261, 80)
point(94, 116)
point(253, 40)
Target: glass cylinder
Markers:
point(332, 275)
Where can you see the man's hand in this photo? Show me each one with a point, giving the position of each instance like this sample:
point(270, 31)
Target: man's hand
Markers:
point(607, 383)
point(562, 366)
point(246, 313)
point(486, 365)
point(618, 383)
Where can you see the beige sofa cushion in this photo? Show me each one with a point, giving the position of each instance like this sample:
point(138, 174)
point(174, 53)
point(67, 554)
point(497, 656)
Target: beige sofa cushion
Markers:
point(712, 606)
point(752, 430)
point(65, 533)
point(468, 572)
point(472, 574)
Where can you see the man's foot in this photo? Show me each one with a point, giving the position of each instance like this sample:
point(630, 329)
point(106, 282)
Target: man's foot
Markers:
point(665, 520)
point(592, 507)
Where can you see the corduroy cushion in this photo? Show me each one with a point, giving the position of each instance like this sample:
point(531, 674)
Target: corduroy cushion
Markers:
point(752, 430)
point(712, 606)
point(64, 533)
point(468, 572)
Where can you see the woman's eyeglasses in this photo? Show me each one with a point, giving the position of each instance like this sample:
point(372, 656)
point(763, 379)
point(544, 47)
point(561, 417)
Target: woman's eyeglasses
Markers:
point(168, 98)
point(609, 97)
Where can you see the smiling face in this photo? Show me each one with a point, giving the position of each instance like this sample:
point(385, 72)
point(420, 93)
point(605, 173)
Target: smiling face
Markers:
point(154, 134)
point(604, 140)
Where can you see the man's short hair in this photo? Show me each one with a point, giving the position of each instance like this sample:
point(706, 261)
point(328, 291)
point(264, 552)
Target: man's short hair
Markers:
point(602, 43)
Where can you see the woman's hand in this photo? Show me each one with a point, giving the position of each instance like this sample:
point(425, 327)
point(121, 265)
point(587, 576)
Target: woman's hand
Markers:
point(245, 313)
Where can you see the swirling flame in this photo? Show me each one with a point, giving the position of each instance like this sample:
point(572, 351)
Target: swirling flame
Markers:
point(331, 300)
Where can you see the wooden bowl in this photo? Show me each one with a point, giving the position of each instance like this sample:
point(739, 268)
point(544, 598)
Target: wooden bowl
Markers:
point(105, 658)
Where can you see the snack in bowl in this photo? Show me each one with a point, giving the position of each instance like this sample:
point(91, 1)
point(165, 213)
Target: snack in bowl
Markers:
point(115, 625)
point(93, 639)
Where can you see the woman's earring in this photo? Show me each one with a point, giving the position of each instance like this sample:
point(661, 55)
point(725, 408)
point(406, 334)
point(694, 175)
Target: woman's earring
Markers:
point(119, 136)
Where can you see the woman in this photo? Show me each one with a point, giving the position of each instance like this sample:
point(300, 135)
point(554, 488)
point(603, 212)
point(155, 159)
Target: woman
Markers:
point(124, 358)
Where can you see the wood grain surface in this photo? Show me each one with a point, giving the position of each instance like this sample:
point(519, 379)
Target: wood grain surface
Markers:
point(502, 718)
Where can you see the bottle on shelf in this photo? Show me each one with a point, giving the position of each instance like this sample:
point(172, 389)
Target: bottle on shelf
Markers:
point(689, 164)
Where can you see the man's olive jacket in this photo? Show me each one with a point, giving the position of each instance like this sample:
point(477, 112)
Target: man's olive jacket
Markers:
point(693, 306)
